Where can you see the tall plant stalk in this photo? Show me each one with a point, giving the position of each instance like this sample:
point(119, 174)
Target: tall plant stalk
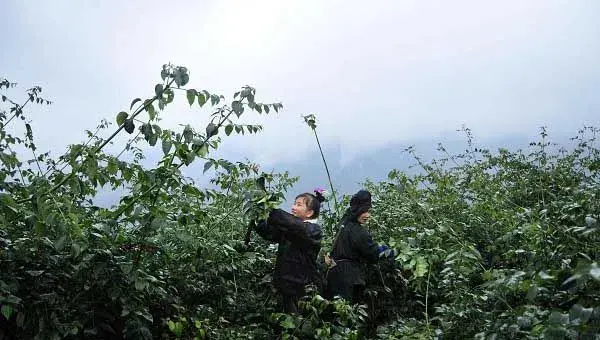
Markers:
point(311, 122)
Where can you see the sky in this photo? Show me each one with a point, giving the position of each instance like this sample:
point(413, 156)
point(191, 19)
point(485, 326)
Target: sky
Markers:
point(375, 75)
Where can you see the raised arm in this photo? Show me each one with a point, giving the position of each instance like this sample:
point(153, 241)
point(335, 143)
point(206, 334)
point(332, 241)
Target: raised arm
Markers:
point(293, 228)
point(268, 231)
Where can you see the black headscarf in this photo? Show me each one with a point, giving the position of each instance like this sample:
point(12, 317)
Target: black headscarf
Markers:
point(359, 203)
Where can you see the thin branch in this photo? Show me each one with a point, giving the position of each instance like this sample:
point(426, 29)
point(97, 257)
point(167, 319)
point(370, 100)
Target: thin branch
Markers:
point(100, 147)
point(327, 171)
point(19, 108)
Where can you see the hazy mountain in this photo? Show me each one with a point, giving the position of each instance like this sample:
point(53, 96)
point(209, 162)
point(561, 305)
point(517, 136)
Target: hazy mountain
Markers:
point(349, 174)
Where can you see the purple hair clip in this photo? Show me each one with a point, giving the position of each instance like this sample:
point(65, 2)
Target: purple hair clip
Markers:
point(319, 190)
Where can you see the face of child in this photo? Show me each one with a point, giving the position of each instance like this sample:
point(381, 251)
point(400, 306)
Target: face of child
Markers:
point(301, 210)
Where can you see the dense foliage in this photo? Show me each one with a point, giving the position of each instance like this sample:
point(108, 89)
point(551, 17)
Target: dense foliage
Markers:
point(490, 245)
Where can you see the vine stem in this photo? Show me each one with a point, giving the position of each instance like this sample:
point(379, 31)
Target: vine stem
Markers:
point(335, 204)
point(128, 144)
point(19, 108)
point(427, 301)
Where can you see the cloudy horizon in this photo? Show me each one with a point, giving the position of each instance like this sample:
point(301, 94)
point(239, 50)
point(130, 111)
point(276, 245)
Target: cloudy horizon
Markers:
point(377, 75)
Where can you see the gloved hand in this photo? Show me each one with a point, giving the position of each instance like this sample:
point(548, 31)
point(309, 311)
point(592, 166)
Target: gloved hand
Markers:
point(382, 248)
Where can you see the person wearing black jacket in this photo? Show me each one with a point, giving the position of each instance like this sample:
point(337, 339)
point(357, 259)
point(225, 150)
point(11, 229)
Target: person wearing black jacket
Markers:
point(299, 237)
point(352, 250)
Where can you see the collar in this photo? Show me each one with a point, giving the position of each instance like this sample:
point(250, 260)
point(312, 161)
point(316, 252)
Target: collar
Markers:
point(313, 221)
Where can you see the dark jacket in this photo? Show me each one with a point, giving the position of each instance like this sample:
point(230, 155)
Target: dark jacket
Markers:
point(352, 251)
point(299, 246)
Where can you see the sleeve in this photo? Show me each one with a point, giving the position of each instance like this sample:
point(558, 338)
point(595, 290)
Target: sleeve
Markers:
point(365, 246)
point(293, 228)
point(267, 231)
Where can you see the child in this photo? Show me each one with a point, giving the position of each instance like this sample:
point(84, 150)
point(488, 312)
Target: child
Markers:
point(299, 237)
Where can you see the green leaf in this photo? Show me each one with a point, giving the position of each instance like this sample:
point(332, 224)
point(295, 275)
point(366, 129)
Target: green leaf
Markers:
point(178, 328)
point(201, 99)
point(144, 314)
point(266, 107)
point(189, 158)
point(129, 125)
point(60, 243)
point(153, 139)
point(34, 273)
point(121, 118)
point(558, 318)
point(146, 131)
point(133, 102)
point(211, 130)
point(7, 311)
point(140, 284)
point(203, 150)
point(228, 129)
point(532, 293)
point(288, 323)
point(572, 278)
point(158, 90)
point(149, 107)
point(166, 146)
point(191, 96)
point(207, 166)
point(181, 76)
point(29, 131)
point(421, 267)
point(261, 182)
point(214, 99)
point(188, 134)
point(237, 107)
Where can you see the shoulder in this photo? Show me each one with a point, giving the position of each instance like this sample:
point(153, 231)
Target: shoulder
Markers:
point(279, 213)
point(278, 216)
point(314, 230)
point(359, 231)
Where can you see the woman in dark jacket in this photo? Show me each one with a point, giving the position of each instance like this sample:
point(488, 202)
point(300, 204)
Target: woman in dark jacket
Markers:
point(299, 237)
point(352, 250)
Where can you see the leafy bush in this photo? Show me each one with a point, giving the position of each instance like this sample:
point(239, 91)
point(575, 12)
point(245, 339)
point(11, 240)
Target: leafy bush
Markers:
point(489, 245)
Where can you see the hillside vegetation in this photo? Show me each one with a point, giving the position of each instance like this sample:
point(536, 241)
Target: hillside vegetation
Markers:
point(491, 244)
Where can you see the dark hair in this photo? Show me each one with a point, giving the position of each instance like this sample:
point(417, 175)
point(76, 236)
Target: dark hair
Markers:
point(313, 202)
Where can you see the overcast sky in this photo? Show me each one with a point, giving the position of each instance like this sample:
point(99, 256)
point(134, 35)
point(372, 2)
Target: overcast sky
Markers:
point(375, 73)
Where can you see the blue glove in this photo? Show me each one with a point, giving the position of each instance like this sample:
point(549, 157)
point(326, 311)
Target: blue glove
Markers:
point(382, 248)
